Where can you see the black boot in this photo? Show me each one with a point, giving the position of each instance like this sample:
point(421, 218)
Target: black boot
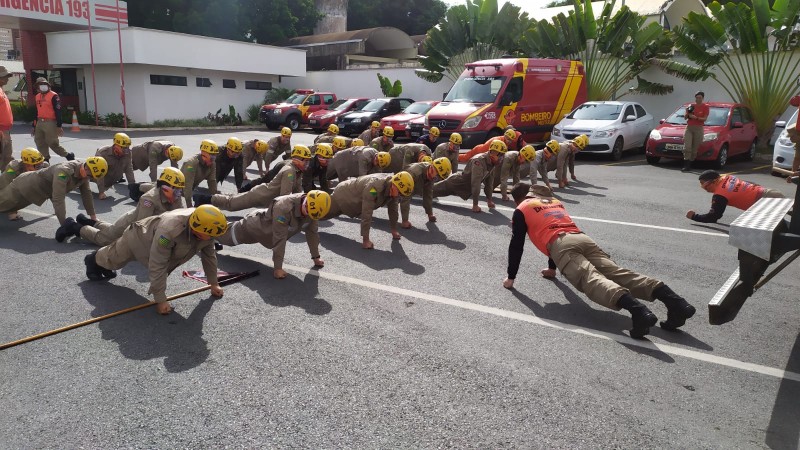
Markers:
point(93, 271)
point(84, 220)
point(678, 309)
point(686, 166)
point(641, 316)
point(217, 246)
point(64, 231)
point(70, 156)
point(133, 191)
point(73, 229)
point(201, 199)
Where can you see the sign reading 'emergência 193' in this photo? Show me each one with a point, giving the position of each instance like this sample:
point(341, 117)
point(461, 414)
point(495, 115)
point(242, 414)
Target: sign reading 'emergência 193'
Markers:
point(78, 12)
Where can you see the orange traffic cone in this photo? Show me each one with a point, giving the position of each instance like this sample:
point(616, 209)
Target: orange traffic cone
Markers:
point(75, 127)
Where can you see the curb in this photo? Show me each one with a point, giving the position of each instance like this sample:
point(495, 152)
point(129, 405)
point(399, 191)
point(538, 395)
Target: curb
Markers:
point(131, 130)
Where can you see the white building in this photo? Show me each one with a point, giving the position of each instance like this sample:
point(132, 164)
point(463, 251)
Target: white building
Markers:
point(170, 75)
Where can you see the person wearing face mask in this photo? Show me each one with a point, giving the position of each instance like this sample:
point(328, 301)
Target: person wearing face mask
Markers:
point(6, 121)
point(30, 160)
point(479, 170)
point(47, 127)
point(149, 155)
point(201, 167)
point(165, 197)
point(318, 169)
point(449, 150)
point(118, 157)
point(231, 159)
point(544, 161)
point(278, 146)
point(425, 174)
point(286, 181)
point(511, 167)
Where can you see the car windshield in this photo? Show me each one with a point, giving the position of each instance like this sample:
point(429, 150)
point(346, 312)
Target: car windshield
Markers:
point(296, 98)
point(339, 105)
point(418, 108)
point(373, 106)
point(475, 89)
point(597, 111)
point(717, 116)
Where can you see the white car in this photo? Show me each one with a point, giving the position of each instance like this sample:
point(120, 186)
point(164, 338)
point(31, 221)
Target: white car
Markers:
point(612, 127)
point(783, 152)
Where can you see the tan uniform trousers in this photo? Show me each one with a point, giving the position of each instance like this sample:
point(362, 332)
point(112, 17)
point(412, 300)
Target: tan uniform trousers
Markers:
point(258, 197)
point(587, 267)
point(692, 138)
point(103, 233)
point(6, 150)
point(11, 200)
point(46, 138)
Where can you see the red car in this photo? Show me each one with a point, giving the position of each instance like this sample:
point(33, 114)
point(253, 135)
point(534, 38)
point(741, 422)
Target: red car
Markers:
point(319, 120)
point(401, 122)
point(729, 131)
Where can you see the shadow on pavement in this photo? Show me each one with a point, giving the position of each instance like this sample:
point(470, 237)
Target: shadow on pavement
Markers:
point(375, 258)
point(433, 236)
point(144, 335)
point(784, 424)
point(487, 216)
point(290, 291)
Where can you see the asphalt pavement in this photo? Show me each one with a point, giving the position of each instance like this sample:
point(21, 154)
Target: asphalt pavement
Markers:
point(414, 344)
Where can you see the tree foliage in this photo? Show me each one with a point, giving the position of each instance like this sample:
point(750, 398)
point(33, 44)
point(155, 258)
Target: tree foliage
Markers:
point(412, 16)
point(262, 21)
point(752, 53)
point(473, 31)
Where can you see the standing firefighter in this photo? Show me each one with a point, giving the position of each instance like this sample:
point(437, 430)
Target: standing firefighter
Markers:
point(30, 161)
point(201, 167)
point(150, 155)
point(162, 243)
point(47, 127)
point(118, 157)
point(231, 159)
point(449, 150)
point(285, 217)
point(425, 175)
point(467, 184)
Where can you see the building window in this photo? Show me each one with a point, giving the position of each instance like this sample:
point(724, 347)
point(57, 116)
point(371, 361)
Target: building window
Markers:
point(229, 84)
point(258, 85)
point(203, 82)
point(167, 80)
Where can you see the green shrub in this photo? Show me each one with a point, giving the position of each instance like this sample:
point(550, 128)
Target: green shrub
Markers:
point(277, 95)
point(116, 120)
point(23, 112)
point(252, 113)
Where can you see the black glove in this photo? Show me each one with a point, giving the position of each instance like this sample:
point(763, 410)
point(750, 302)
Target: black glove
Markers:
point(246, 186)
point(201, 199)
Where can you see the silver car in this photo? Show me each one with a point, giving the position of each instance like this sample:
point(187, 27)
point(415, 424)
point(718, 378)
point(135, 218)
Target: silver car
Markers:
point(612, 127)
point(783, 152)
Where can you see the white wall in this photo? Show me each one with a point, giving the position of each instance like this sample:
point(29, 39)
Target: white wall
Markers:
point(364, 83)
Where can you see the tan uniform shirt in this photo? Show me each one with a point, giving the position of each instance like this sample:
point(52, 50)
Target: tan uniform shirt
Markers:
point(195, 172)
point(149, 155)
point(117, 166)
point(508, 168)
point(405, 154)
point(381, 146)
point(13, 170)
point(152, 203)
point(422, 186)
point(566, 158)
point(367, 135)
point(353, 162)
point(539, 167)
point(324, 138)
point(250, 154)
point(467, 183)
point(443, 151)
point(287, 181)
point(160, 243)
point(52, 184)
point(359, 197)
point(275, 149)
point(273, 227)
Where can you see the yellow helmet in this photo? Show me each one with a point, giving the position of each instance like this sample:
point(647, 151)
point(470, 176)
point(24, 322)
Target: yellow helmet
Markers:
point(318, 204)
point(434, 131)
point(388, 131)
point(443, 166)
point(498, 146)
point(208, 219)
point(340, 142)
point(510, 134)
point(286, 132)
point(234, 144)
point(31, 156)
point(173, 177)
point(528, 152)
point(455, 138)
point(175, 153)
point(581, 141)
point(376, 124)
point(357, 142)
point(262, 146)
point(122, 139)
point(384, 159)
point(404, 183)
point(324, 151)
point(333, 128)
point(209, 146)
point(301, 151)
point(97, 165)
point(553, 146)
point(426, 158)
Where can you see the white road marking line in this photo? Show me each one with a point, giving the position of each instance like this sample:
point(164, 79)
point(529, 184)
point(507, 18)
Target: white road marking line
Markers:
point(615, 222)
point(622, 339)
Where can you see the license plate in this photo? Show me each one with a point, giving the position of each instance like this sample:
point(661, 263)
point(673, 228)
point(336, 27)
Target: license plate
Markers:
point(312, 122)
point(673, 146)
point(415, 134)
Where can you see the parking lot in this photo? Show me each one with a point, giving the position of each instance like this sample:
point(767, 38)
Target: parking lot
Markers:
point(414, 344)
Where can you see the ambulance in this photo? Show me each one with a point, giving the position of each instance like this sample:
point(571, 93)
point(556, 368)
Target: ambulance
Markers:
point(530, 94)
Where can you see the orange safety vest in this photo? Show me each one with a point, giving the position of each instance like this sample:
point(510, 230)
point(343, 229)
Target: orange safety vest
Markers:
point(740, 194)
point(44, 105)
point(546, 220)
point(6, 117)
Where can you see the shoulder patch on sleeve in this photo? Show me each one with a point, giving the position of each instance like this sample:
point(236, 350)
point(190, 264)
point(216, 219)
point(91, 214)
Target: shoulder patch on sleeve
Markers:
point(62, 176)
point(291, 175)
point(164, 241)
point(147, 203)
point(281, 219)
point(189, 168)
point(373, 192)
point(11, 171)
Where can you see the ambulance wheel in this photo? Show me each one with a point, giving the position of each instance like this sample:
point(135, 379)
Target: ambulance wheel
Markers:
point(616, 152)
point(653, 160)
point(293, 122)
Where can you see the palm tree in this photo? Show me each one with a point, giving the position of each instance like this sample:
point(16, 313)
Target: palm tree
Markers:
point(614, 49)
point(471, 32)
point(750, 52)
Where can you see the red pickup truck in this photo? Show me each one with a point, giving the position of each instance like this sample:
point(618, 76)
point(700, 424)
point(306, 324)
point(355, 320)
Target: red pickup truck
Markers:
point(294, 111)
